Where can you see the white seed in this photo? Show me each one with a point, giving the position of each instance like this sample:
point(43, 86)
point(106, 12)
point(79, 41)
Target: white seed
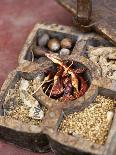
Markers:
point(64, 52)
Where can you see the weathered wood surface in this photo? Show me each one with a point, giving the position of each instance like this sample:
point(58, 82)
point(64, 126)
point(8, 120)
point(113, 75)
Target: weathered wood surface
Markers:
point(103, 18)
point(84, 10)
point(37, 136)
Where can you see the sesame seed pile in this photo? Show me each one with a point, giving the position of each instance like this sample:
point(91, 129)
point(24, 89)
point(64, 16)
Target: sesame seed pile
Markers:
point(22, 113)
point(93, 123)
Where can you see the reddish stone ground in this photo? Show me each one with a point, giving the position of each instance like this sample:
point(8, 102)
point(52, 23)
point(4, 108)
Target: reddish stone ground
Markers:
point(17, 18)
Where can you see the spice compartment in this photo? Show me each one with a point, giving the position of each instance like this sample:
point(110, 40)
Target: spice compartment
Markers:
point(102, 56)
point(42, 35)
point(102, 103)
point(15, 120)
point(63, 38)
point(103, 117)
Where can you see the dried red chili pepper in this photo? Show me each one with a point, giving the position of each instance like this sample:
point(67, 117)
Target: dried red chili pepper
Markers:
point(67, 83)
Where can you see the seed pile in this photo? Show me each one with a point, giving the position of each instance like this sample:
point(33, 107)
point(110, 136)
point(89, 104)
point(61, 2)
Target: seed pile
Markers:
point(21, 105)
point(21, 113)
point(63, 46)
point(93, 123)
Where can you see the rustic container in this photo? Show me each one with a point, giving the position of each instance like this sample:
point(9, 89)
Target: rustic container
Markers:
point(46, 136)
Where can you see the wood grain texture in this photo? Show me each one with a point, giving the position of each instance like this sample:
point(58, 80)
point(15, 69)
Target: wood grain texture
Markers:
point(103, 18)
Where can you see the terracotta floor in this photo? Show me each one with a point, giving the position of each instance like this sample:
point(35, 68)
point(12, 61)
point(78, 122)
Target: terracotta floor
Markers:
point(17, 18)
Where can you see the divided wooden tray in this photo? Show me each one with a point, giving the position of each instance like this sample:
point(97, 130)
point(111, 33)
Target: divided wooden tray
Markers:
point(46, 136)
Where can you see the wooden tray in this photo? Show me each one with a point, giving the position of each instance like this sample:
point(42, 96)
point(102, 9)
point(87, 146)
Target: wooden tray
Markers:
point(46, 136)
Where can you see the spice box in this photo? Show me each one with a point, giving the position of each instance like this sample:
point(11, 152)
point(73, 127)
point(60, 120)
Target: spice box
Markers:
point(59, 102)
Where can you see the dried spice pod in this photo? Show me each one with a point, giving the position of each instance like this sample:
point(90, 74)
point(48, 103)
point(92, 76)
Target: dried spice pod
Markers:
point(66, 80)
point(38, 52)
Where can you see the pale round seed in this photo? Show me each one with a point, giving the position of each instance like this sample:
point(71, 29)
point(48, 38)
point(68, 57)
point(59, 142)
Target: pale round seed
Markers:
point(64, 52)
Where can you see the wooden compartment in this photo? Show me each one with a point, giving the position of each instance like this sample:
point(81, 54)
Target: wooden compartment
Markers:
point(73, 143)
point(59, 32)
point(102, 56)
point(24, 134)
point(54, 31)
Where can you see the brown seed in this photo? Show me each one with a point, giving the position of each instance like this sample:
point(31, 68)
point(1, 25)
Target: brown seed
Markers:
point(39, 52)
point(54, 44)
point(66, 43)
